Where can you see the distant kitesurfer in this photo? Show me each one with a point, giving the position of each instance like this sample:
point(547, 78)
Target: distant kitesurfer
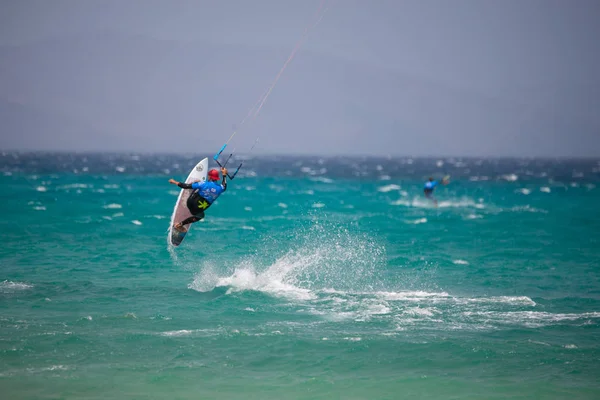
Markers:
point(203, 195)
point(430, 186)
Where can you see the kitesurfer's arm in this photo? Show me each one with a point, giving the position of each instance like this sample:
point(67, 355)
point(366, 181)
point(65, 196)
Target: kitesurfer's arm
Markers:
point(180, 184)
point(224, 181)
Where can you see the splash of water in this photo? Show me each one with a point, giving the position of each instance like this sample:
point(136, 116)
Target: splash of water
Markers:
point(324, 256)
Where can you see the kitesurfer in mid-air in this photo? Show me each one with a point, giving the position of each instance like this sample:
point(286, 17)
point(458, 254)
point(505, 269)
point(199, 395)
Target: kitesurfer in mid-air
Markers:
point(430, 186)
point(202, 196)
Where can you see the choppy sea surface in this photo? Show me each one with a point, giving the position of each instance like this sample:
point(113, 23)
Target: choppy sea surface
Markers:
point(310, 278)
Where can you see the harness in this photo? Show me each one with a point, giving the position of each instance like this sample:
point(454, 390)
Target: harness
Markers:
point(197, 201)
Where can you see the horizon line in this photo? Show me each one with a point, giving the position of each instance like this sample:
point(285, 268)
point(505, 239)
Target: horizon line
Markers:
point(283, 154)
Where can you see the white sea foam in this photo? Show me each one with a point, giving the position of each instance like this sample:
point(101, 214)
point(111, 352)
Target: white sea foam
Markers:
point(136, 222)
point(420, 312)
point(113, 206)
point(41, 189)
point(318, 205)
point(273, 281)
point(73, 186)
point(417, 221)
point(419, 202)
point(460, 262)
point(545, 189)
point(532, 319)
point(321, 179)
point(9, 286)
point(510, 177)
point(388, 188)
point(412, 295)
point(513, 300)
point(181, 332)
point(524, 191)
point(528, 208)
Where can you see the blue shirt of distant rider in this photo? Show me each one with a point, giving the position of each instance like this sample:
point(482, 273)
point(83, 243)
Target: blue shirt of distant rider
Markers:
point(429, 187)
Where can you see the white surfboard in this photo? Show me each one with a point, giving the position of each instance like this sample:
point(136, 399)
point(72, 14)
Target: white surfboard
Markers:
point(181, 212)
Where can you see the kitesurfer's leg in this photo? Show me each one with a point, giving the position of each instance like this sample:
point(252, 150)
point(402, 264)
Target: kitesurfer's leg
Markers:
point(429, 195)
point(190, 220)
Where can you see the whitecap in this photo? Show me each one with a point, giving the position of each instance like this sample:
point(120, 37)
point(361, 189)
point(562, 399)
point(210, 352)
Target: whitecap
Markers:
point(9, 286)
point(460, 262)
point(388, 188)
point(545, 189)
point(417, 221)
point(41, 189)
point(420, 312)
point(113, 206)
point(182, 332)
point(136, 222)
point(74, 186)
point(321, 179)
point(411, 295)
point(510, 177)
point(528, 208)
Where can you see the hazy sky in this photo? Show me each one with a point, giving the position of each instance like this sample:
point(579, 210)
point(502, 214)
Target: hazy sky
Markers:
point(423, 77)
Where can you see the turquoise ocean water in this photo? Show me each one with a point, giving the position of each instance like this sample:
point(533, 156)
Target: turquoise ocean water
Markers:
point(311, 278)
